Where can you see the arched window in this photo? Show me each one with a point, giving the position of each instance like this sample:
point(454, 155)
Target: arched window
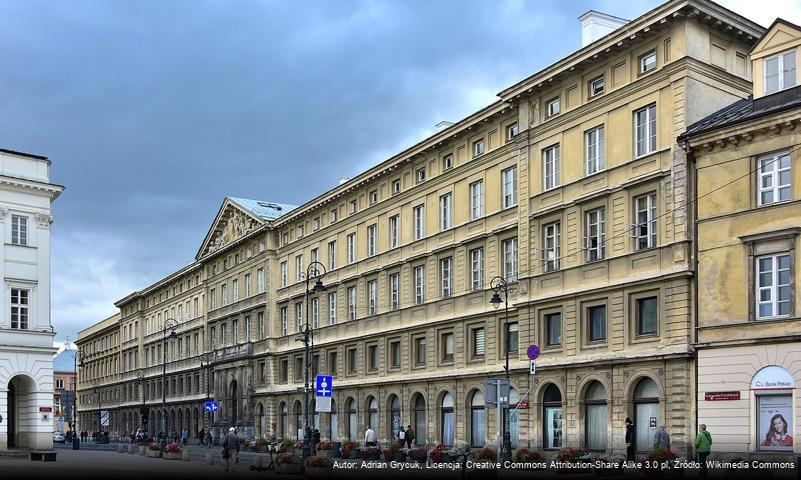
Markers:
point(372, 414)
point(646, 413)
point(394, 415)
point(477, 419)
point(552, 417)
point(298, 420)
point(447, 420)
point(420, 420)
point(353, 432)
point(284, 421)
point(595, 417)
point(333, 431)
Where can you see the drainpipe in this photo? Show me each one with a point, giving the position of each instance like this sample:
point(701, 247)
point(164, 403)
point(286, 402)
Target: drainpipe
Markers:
point(693, 171)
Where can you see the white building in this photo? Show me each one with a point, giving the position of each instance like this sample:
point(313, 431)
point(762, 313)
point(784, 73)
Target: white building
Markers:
point(26, 335)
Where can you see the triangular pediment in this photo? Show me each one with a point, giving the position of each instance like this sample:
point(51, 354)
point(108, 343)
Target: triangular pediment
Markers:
point(232, 223)
point(781, 35)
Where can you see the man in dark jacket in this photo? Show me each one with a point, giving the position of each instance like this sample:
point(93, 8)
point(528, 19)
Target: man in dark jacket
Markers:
point(409, 436)
point(230, 444)
point(630, 440)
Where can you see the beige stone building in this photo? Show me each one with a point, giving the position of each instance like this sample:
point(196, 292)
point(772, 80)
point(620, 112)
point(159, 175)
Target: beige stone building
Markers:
point(749, 221)
point(571, 186)
point(98, 363)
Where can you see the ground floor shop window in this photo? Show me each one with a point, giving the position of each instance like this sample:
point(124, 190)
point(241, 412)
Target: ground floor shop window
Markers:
point(552, 416)
point(774, 422)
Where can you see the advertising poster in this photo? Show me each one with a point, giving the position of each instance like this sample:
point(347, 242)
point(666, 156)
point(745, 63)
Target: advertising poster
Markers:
point(775, 422)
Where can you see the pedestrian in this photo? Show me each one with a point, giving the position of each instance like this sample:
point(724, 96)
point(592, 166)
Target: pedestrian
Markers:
point(369, 437)
point(661, 438)
point(630, 440)
point(401, 436)
point(703, 445)
point(208, 439)
point(409, 436)
point(230, 443)
point(185, 437)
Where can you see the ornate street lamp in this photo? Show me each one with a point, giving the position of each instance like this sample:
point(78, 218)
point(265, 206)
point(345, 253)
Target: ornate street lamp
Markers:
point(169, 324)
point(315, 271)
point(205, 362)
point(498, 285)
point(140, 378)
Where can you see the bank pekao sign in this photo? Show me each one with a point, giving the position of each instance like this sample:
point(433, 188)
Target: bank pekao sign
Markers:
point(772, 378)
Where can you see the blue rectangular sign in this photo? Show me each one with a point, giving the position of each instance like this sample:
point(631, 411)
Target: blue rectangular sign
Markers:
point(212, 406)
point(324, 385)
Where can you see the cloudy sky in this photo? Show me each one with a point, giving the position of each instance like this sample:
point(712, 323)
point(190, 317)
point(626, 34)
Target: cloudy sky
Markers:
point(153, 111)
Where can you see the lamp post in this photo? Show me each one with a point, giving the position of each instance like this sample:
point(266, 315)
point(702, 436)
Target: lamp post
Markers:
point(140, 377)
point(78, 364)
point(498, 285)
point(205, 362)
point(169, 324)
point(315, 271)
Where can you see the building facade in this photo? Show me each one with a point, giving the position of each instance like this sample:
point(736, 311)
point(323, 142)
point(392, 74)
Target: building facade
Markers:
point(26, 334)
point(65, 384)
point(99, 369)
point(571, 188)
point(749, 229)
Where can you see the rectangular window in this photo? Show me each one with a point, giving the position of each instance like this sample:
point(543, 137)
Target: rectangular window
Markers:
point(301, 231)
point(373, 197)
point(284, 241)
point(446, 271)
point(353, 206)
point(395, 354)
point(594, 150)
point(332, 217)
point(445, 211)
point(476, 200)
point(19, 230)
point(315, 307)
point(447, 162)
point(509, 249)
point(20, 303)
point(478, 342)
point(394, 231)
point(447, 347)
point(421, 175)
point(779, 72)
point(550, 243)
point(235, 288)
point(212, 338)
point(224, 334)
point(645, 131)
point(553, 327)
point(773, 286)
point(596, 236)
point(775, 179)
point(596, 323)
point(284, 371)
point(298, 317)
point(299, 268)
point(248, 289)
point(316, 224)
point(352, 361)
point(552, 107)
point(512, 333)
point(394, 291)
point(419, 284)
point(332, 308)
point(315, 256)
point(372, 357)
point(648, 61)
point(298, 368)
point(332, 363)
point(213, 298)
point(509, 187)
point(371, 240)
point(511, 131)
point(478, 148)
point(420, 351)
point(419, 222)
point(645, 221)
point(259, 280)
point(352, 248)
point(332, 255)
point(352, 303)
point(372, 297)
point(260, 317)
point(396, 187)
point(646, 312)
point(550, 167)
point(235, 331)
point(223, 294)
point(477, 269)
point(595, 86)
point(284, 321)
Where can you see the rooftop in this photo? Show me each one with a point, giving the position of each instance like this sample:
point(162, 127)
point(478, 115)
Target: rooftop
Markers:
point(64, 362)
point(267, 211)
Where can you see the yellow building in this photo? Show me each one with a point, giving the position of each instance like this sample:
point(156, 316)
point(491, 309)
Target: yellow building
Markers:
point(99, 371)
point(571, 187)
point(749, 221)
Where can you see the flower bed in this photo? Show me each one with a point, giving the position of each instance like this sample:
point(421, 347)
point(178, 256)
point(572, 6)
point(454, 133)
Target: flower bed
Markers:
point(395, 452)
point(438, 454)
point(419, 454)
point(349, 450)
point(288, 463)
point(485, 454)
point(319, 461)
point(370, 453)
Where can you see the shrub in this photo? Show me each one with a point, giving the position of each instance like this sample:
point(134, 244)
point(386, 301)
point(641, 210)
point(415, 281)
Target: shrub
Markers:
point(570, 454)
point(325, 445)
point(367, 452)
point(485, 453)
point(392, 450)
point(437, 452)
point(173, 448)
point(346, 448)
point(661, 454)
point(319, 461)
point(288, 443)
point(288, 458)
point(526, 455)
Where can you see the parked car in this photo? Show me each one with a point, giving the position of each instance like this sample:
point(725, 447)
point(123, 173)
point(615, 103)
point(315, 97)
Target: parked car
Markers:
point(59, 437)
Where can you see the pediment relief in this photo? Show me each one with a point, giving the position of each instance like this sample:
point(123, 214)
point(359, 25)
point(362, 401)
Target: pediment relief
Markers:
point(231, 225)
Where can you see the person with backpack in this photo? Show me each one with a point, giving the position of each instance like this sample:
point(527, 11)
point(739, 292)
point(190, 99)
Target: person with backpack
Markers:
point(703, 445)
point(401, 439)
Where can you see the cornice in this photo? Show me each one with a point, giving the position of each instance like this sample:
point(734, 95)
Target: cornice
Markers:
point(14, 184)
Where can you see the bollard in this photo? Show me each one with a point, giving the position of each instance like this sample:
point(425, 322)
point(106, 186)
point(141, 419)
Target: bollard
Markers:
point(209, 458)
point(120, 447)
point(130, 449)
point(142, 449)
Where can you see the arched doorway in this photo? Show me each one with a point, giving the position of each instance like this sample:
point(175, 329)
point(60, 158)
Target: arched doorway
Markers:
point(552, 417)
point(372, 414)
point(595, 417)
point(298, 420)
point(646, 413)
point(394, 415)
point(420, 420)
point(333, 427)
point(447, 419)
point(477, 424)
point(350, 408)
point(260, 421)
point(284, 421)
point(232, 403)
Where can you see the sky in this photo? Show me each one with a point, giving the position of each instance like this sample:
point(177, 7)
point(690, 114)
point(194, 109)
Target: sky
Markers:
point(153, 111)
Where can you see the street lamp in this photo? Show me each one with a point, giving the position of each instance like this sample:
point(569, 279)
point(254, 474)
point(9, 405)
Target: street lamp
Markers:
point(78, 363)
point(498, 285)
point(140, 377)
point(315, 271)
point(205, 362)
point(169, 324)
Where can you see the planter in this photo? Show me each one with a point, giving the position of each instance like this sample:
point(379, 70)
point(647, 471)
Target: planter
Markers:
point(153, 453)
point(288, 468)
point(373, 456)
point(142, 449)
point(173, 456)
point(324, 453)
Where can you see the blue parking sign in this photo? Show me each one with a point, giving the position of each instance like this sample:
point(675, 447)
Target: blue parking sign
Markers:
point(324, 385)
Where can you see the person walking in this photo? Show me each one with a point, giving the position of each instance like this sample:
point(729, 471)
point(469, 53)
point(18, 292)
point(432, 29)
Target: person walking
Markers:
point(401, 438)
point(185, 437)
point(369, 437)
point(703, 445)
point(208, 440)
point(230, 444)
point(630, 440)
point(661, 438)
point(409, 436)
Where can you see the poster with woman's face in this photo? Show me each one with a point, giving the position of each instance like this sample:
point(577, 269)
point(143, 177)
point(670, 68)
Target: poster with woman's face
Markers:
point(775, 422)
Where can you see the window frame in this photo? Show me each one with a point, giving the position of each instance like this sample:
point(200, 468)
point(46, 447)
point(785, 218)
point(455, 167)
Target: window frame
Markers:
point(550, 111)
point(550, 155)
point(419, 214)
point(780, 71)
point(446, 211)
point(510, 265)
point(446, 277)
point(447, 162)
point(476, 199)
point(509, 187)
point(651, 130)
point(479, 148)
point(599, 144)
point(599, 239)
point(775, 175)
point(419, 284)
point(591, 86)
point(19, 230)
point(551, 235)
point(477, 269)
point(634, 302)
point(651, 225)
point(394, 231)
point(641, 65)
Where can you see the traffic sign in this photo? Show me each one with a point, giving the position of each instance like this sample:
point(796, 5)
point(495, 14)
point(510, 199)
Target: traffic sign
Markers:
point(533, 352)
point(532, 368)
point(322, 404)
point(324, 386)
point(212, 406)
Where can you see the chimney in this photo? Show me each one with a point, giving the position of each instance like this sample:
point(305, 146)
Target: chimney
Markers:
point(595, 25)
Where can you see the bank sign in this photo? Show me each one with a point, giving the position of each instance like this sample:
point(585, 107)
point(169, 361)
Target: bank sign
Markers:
point(772, 378)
